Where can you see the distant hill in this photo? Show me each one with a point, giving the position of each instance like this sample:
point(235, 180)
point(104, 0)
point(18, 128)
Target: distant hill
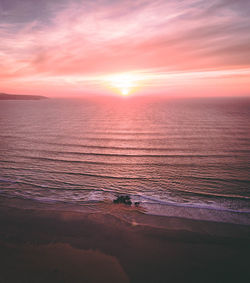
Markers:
point(5, 96)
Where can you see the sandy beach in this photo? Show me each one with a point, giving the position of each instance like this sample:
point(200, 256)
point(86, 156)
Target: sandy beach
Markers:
point(49, 244)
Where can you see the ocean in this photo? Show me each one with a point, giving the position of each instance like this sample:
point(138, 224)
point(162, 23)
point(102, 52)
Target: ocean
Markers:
point(186, 158)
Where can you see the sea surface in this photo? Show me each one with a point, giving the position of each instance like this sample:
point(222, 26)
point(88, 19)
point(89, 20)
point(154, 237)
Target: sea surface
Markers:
point(178, 157)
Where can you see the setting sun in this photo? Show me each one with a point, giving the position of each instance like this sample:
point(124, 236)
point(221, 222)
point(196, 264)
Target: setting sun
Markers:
point(125, 92)
point(123, 84)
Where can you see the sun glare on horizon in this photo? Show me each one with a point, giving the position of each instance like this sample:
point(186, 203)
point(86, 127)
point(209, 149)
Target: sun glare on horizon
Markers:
point(125, 92)
point(123, 84)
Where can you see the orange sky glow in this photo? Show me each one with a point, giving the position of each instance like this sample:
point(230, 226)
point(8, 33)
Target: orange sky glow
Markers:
point(73, 48)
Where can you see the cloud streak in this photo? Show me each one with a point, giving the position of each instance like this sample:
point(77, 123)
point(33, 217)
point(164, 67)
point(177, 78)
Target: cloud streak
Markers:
point(57, 44)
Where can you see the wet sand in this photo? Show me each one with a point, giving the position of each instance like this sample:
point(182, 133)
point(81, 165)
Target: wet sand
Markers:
point(117, 244)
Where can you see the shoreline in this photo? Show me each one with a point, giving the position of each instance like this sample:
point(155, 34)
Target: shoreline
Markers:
point(171, 210)
point(43, 244)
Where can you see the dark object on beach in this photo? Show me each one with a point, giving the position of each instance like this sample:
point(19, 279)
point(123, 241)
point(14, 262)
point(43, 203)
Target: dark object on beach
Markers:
point(123, 199)
point(137, 203)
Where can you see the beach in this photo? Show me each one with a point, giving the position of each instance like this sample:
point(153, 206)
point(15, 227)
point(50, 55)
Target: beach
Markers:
point(49, 244)
point(64, 162)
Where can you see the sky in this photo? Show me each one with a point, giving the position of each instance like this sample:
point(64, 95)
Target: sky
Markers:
point(131, 47)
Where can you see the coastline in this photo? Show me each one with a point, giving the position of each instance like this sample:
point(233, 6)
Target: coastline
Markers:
point(6, 96)
point(45, 243)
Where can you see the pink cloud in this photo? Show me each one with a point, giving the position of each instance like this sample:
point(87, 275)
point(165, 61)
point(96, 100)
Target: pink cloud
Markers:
point(92, 39)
